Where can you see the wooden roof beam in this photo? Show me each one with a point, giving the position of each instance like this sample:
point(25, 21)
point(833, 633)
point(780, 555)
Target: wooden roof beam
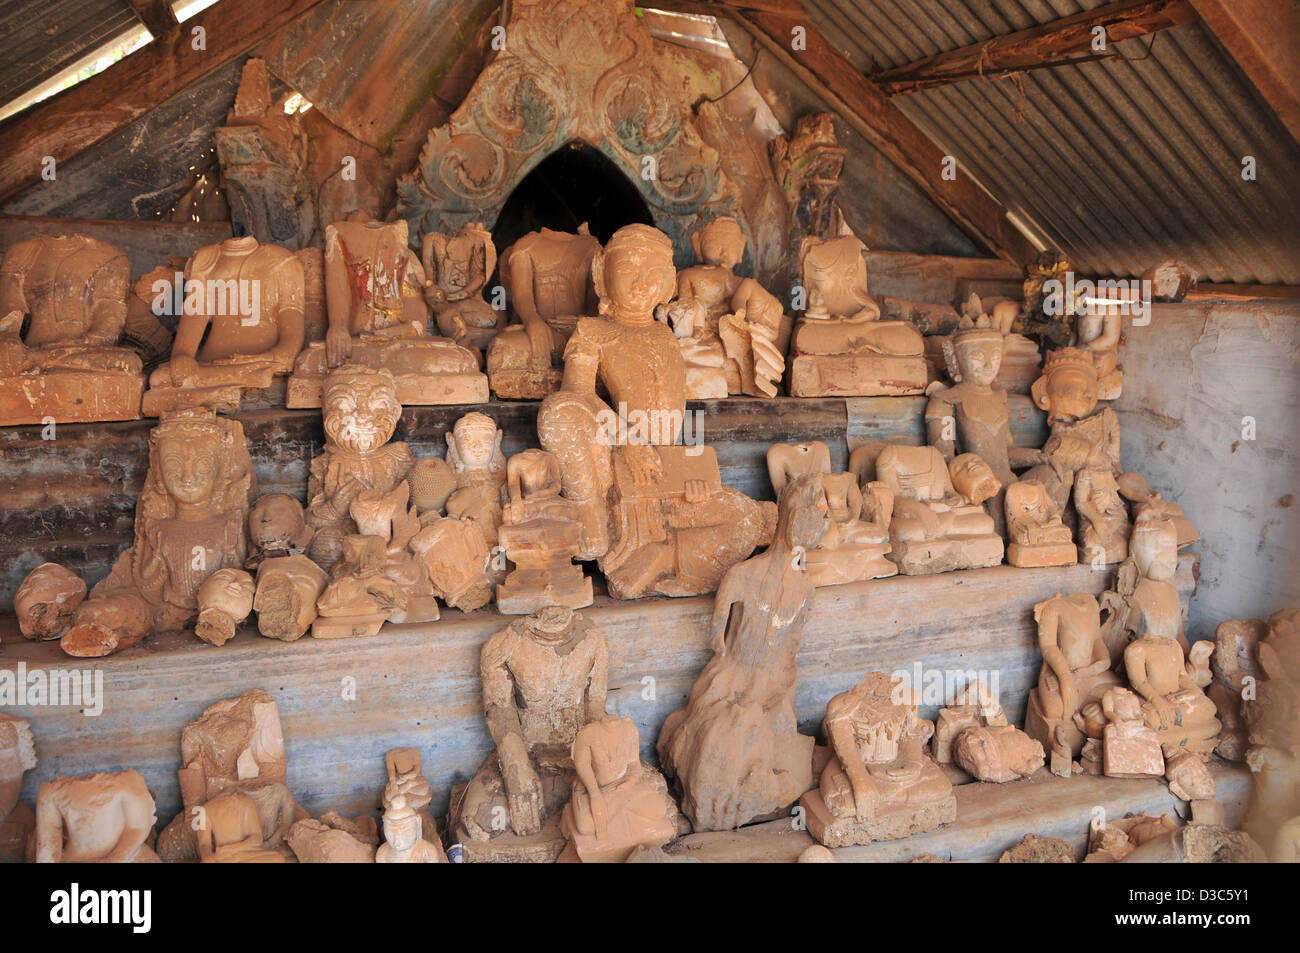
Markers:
point(1046, 45)
point(157, 16)
point(68, 124)
point(1263, 36)
point(864, 107)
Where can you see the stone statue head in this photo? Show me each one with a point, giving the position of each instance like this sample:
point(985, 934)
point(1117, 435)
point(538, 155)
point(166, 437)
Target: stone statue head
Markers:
point(974, 355)
point(973, 478)
point(1154, 547)
point(635, 272)
point(276, 522)
point(1068, 387)
point(197, 458)
point(720, 242)
point(475, 444)
point(229, 591)
point(360, 408)
point(432, 481)
point(47, 600)
point(802, 515)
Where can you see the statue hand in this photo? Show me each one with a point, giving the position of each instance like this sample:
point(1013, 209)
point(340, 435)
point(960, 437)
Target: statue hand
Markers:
point(524, 792)
point(697, 491)
point(338, 346)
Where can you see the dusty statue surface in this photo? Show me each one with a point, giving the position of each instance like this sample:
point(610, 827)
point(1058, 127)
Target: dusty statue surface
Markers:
point(735, 749)
point(374, 296)
point(95, 818)
point(190, 523)
point(653, 512)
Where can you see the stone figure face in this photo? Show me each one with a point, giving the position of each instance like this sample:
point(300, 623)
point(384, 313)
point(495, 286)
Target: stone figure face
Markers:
point(190, 464)
point(230, 590)
point(979, 356)
point(47, 600)
point(1068, 388)
point(274, 520)
point(973, 478)
point(476, 441)
point(721, 242)
point(361, 409)
point(635, 272)
point(401, 830)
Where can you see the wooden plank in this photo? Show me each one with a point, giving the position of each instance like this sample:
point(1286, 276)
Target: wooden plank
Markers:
point(902, 420)
point(936, 278)
point(88, 113)
point(418, 684)
point(146, 244)
point(1263, 36)
point(1047, 44)
point(1208, 291)
point(156, 15)
point(991, 818)
point(860, 104)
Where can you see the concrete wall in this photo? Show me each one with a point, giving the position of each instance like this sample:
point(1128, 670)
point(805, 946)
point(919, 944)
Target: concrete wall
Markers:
point(1194, 380)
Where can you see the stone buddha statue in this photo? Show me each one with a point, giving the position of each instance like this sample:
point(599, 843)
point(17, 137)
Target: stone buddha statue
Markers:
point(654, 513)
point(544, 679)
point(1103, 518)
point(95, 818)
point(1180, 712)
point(190, 521)
point(71, 292)
point(880, 782)
point(232, 832)
point(856, 543)
point(374, 295)
point(457, 269)
point(1145, 599)
point(1076, 670)
point(741, 322)
point(840, 347)
point(548, 281)
point(935, 528)
point(1035, 534)
point(1097, 331)
point(242, 325)
point(619, 803)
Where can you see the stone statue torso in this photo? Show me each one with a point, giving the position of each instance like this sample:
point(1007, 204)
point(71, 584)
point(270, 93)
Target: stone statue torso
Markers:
point(58, 280)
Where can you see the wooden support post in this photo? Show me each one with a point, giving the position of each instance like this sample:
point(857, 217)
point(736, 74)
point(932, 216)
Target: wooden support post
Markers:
point(157, 16)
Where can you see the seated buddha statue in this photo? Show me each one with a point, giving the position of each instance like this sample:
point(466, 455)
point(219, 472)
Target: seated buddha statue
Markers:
point(856, 543)
point(1173, 704)
point(934, 527)
point(242, 325)
point(232, 832)
point(1076, 670)
point(457, 269)
point(654, 512)
point(377, 317)
point(840, 347)
point(548, 282)
point(1097, 331)
point(739, 320)
point(539, 534)
point(1035, 534)
point(880, 783)
point(1144, 598)
point(71, 291)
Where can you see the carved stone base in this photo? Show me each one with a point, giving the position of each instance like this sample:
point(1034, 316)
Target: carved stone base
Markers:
point(924, 557)
point(856, 375)
point(1036, 557)
point(1038, 727)
point(415, 364)
point(836, 567)
point(544, 847)
point(348, 626)
point(891, 822)
point(69, 397)
point(525, 384)
point(518, 596)
point(225, 399)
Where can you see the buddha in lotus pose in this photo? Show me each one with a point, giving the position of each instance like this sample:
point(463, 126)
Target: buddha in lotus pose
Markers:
point(840, 346)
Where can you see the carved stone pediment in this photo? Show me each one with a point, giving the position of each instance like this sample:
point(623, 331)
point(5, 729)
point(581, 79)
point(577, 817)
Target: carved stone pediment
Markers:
point(572, 70)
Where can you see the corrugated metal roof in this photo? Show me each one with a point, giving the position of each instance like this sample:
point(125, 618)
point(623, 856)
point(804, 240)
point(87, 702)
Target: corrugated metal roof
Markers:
point(40, 38)
point(1118, 163)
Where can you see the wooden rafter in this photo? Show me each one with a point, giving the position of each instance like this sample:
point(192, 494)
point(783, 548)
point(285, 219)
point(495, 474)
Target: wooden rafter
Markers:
point(156, 15)
point(1263, 36)
point(870, 112)
point(66, 125)
point(1048, 44)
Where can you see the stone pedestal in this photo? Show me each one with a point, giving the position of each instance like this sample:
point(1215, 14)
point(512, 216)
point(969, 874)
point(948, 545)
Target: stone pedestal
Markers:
point(890, 820)
point(856, 375)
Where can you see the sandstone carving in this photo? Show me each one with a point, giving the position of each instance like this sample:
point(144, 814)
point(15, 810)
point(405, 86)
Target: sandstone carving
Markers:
point(457, 269)
point(880, 783)
point(17, 756)
point(840, 347)
point(47, 602)
point(1035, 534)
point(71, 291)
point(374, 292)
point(735, 749)
point(95, 818)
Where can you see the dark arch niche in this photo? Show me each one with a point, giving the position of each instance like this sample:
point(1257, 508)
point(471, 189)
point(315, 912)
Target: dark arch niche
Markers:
point(574, 184)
